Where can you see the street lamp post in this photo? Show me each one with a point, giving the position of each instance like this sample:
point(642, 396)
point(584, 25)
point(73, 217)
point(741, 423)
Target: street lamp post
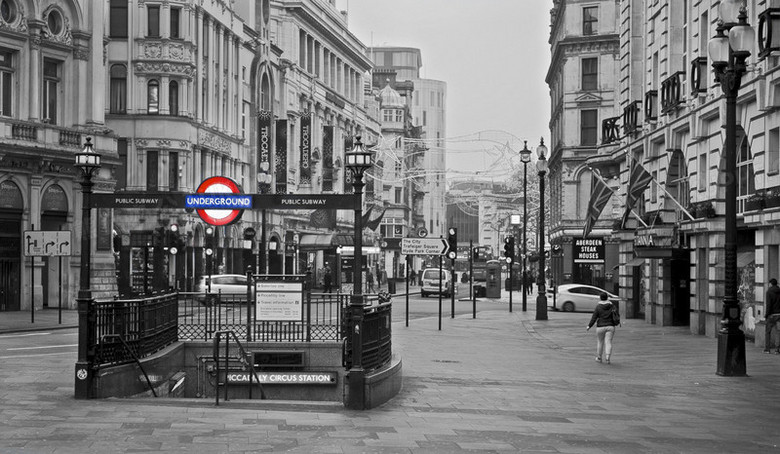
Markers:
point(541, 167)
point(88, 161)
point(263, 187)
point(357, 161)
point(728, 55)
point(525, 156)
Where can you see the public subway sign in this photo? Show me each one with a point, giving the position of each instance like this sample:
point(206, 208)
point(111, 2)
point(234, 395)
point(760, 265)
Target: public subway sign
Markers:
point(285, 378)
point(220, 201)
point(588, 250)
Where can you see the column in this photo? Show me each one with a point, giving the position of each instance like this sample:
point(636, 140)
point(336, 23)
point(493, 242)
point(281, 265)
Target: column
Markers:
point(33, 79)
point(198, 98)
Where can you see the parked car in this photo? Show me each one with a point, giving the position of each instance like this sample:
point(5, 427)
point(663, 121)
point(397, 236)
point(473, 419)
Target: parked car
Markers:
point(580, 297)
point(232, 286)
point(430, 282)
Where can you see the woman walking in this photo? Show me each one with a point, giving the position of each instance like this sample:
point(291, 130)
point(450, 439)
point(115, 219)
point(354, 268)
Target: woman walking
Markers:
point(606, 316)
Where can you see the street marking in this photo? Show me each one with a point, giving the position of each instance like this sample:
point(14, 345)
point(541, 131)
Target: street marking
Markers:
point(43, 347)
point(9, 336)
point(29, 356)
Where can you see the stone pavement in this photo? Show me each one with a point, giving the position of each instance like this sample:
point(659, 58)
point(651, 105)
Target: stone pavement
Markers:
point(499, 383)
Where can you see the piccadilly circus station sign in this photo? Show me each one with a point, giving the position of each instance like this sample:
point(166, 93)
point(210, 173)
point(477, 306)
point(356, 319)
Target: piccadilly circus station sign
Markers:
point(218, 201)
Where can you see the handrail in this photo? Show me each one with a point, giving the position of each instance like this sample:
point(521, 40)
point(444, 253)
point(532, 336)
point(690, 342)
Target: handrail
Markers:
point(243, 358)
point(135, 357)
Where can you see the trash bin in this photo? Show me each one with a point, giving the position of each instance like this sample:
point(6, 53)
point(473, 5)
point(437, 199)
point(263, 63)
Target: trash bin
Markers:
point(479, 291)
point(391, 286)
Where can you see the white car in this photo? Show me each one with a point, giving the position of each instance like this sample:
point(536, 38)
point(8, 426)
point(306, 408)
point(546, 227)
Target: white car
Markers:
point(580, 297)
point(430, 282)
point(233, 286)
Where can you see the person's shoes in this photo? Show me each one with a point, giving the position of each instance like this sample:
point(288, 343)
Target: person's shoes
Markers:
point(608, 361)
point(598, 359)
point(767, 351)
point(777, 352)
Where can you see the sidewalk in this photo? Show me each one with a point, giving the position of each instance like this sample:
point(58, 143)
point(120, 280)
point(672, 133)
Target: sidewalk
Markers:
point(499, 383)
point(42, 320)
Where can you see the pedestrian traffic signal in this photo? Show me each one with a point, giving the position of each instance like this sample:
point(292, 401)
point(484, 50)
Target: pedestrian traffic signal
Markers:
point(453, 240)
point(209, 240)
point(509, 248)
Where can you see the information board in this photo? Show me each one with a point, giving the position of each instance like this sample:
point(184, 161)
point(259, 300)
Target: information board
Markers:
point(279, 301)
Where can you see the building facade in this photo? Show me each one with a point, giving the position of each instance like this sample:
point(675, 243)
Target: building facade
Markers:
point(52, 99)
point(669, 118)
point(583, 81)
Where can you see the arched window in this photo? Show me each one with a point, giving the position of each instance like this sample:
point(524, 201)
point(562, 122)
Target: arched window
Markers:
point(173, 97)
point(118, 89)
point(153, 97)
point(746, 181)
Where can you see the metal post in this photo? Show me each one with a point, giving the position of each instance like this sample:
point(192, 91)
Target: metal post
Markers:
point(471, 280)
point(84, 388)
point(357, 376)
point(731, 339)
point(525, 238)
point(408, 265)
point(441, 265)
point(452, 289)
point(263, 245)
point(541, 299)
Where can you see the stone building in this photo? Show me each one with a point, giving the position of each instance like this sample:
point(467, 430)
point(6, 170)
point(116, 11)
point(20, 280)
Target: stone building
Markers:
point(52, 99)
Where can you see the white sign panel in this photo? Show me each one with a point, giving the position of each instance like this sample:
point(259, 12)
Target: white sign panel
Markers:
point(424, 246)
point(46, 243)
point(279, 301)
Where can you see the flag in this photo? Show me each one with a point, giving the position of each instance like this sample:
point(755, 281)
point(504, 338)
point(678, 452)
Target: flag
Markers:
point(323, 218)
point(638, 180)
point(375, 223)
point(600, 194)
point(367, 215)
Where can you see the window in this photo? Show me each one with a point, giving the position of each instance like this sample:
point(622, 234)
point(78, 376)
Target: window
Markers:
point(8, 11)
point(588, 127)
point(703, 172)
point(746, 181)
point(173, 171)
point(173, 97)
point(387, 115)
point(121, 174)
point(590, 20)
point(51, 83)
point(773, 151)
point(153, 21)
point(678, 180)
point(54, 22)
point(6, 83)
point(151, 170)
point(399, 116)
point(654, 187)
point(153, 97)
point(118, 19)
point(118, 89)
point(590, 69)
point(175, 13)
point(397, 195)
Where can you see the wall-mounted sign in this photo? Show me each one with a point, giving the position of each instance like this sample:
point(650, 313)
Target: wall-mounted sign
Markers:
point(279, 301)
point(285, 378)
point(588, 250)
point(47, 243)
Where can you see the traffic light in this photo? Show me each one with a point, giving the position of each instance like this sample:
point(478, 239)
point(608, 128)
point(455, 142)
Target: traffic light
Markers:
point(175, 242)
point(158, 237)
point(453, 240)
point(209, 240)
point(475, 254)
point(509, 248)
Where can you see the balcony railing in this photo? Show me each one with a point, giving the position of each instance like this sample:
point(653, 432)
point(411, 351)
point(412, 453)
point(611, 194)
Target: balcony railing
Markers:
point(651, 105)
point(671, 92)
point(631, 118)
point(24, 131)
point(610, 130)
point(697, 74)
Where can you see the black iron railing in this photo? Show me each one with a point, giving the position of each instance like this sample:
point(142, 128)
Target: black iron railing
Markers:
point(126, 329)
point(377, 337)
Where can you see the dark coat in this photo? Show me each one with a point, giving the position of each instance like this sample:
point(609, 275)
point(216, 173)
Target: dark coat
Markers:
point(602, 315)
point(772, 301)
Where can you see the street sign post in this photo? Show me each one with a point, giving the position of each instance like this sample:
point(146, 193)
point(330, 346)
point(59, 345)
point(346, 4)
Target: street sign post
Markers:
point(424, 246)
point(47, 243)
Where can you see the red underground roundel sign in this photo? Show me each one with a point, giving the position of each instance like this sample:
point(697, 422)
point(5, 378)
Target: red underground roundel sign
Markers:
point(222, 188)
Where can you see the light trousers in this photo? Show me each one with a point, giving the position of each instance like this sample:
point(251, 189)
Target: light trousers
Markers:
point(604, 335)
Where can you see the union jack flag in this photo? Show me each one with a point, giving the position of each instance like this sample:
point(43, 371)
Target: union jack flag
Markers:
point(638, 181)
point(600, 194)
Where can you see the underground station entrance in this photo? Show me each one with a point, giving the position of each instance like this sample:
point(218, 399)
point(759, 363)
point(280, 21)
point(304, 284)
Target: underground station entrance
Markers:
point(276, 341)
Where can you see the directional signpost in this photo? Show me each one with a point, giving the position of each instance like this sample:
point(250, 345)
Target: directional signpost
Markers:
point(46, 243)
point(424, 246)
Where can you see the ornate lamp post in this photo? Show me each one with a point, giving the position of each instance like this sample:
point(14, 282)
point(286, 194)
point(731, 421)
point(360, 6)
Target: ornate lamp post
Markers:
point(541, 167)
point(88, 161)
point(525, 156)
point(264, 181)
point(357, 161)
point(728, 55)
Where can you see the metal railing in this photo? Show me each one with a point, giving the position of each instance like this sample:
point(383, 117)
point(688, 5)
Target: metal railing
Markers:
point(377, 337)
point(201, 315)
point(126, 329)
point(243, 359)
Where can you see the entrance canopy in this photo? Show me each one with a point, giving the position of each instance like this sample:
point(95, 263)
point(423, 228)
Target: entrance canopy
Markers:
point(317, 241)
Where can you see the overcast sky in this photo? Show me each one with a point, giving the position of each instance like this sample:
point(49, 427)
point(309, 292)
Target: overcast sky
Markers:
point(493, 55)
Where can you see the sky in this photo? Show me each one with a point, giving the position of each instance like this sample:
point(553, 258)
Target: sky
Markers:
point(493, 55)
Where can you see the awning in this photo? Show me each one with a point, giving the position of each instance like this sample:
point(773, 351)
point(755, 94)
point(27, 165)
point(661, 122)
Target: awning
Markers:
point(315, 241)
point(341, 239)
point(745, 258)
point(636, 261)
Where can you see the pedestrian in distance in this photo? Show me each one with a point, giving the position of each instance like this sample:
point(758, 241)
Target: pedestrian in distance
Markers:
point(327, 281)
point(606, 317)
point(772, 314)
point(370, 281)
